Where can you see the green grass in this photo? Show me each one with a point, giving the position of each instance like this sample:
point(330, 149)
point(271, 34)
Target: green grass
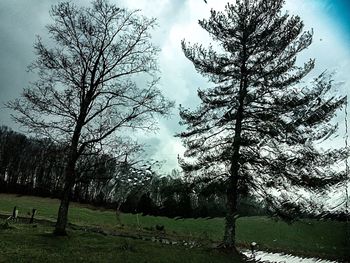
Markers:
point(306, 237)
point(27, 244)
point(84, 215)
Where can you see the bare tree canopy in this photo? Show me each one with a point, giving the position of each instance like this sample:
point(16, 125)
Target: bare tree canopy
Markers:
point(86, 89)
point(86, 77)
point(258, 126)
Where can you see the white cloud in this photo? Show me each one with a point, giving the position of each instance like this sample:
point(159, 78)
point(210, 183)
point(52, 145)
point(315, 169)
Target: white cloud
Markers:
point(168, 149)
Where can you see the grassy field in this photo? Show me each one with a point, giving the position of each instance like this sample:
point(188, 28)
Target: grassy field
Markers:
point(308, 237)
point(27, 244)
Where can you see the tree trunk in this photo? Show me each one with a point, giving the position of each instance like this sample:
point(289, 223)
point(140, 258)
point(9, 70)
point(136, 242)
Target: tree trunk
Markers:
point(231, 214)
point(232, 190)
point(62, 217)
point(69, 175)
point(117, 212)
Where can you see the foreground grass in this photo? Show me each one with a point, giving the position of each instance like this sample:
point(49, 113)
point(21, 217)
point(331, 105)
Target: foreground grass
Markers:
point(307, 237)
point(25, 243)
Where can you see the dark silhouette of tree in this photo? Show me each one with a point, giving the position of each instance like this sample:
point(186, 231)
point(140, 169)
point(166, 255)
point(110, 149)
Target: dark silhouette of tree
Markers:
point(29, 165)
point(129, 181)
point(257, 127)
point(85, 94)
point(146, 205)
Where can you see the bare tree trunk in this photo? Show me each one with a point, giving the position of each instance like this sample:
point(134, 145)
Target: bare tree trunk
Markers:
point(62, 216)
point(69, 176)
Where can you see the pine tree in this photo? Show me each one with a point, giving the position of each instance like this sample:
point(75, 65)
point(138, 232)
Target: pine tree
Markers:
point(258, 125)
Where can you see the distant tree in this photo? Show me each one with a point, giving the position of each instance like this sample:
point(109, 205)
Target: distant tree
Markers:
point(146, 205)
point(185, 204)
point(131, 179)
point(85, 94)
point(170, 207)
point(93, 171)
point(257, 127)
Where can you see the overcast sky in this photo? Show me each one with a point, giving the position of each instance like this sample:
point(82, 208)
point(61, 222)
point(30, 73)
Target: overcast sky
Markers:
point(22, 20)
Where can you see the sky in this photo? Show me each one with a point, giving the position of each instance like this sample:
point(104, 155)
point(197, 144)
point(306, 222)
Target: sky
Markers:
point(22, 20)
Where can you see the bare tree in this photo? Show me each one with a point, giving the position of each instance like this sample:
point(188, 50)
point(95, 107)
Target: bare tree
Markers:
point(85, 93)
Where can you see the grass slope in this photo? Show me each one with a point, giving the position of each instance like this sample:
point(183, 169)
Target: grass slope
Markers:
point(307, 237)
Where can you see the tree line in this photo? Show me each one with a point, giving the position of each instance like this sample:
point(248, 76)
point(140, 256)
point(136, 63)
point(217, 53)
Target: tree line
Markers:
point(32, 166)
